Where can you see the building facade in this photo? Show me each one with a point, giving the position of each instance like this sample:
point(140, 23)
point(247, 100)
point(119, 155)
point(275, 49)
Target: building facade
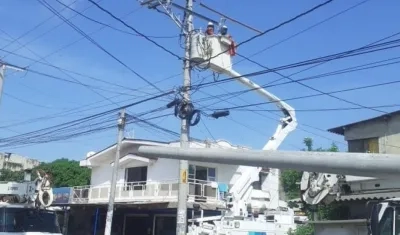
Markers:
point(14, 162)
point(375, 135)
point(147, 189)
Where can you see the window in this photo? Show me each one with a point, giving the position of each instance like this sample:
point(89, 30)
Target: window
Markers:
point(136, 174)
point(202, 173)
point(386, 223)
point(29, 220)
point(370, 145)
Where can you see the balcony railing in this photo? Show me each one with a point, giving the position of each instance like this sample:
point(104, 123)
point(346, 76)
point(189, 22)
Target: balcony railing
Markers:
point(146, 191)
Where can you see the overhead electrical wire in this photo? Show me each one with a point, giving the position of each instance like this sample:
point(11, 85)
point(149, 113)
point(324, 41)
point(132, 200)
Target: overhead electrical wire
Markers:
point(276, 27)
point(317, 76)
point(70, 71)
point(314, 95)
point(33, 29)
point(299, 33)
point(304, 30)
point(349, 53)
point(45, 4)
point(323, 109)
point(315, 89)
point(83, 122)
point(111, 27)
point(135, 30)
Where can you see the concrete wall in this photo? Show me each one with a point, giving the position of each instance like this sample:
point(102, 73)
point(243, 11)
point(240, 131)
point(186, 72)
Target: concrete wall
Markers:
point(388, 131)
point(16, 162)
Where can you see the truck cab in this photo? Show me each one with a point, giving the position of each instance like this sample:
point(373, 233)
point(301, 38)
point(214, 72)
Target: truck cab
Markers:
point(385, 217)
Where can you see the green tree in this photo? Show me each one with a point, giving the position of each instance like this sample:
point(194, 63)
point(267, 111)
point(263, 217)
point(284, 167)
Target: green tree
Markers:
point(8, 175)
point(65, 173)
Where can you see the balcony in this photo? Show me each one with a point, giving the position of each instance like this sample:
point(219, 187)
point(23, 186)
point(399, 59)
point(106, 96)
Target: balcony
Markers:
point(146, 192)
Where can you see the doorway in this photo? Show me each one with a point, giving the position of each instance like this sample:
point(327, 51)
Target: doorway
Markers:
point(164, 225)
point(136, 225)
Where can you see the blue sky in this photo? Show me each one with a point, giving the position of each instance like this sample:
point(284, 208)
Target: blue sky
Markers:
point(40, 96)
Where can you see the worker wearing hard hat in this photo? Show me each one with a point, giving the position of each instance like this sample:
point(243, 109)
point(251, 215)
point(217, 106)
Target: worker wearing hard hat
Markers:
point(210, 29)
point(224, 30)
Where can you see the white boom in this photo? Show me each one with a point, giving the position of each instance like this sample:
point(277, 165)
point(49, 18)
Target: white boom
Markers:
point(211, 52)
point(240, 192)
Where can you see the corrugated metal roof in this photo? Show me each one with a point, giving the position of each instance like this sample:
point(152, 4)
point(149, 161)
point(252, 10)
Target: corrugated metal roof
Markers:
point(363, 196)
point(370, 196)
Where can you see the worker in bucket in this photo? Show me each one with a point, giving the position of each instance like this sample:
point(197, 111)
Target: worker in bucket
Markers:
point(224, 31)
point(210, 29)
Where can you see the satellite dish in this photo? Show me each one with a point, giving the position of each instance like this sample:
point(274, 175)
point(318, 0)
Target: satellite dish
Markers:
point(91, 153)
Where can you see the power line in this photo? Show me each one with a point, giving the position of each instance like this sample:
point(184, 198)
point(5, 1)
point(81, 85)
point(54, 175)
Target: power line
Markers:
point(136, 31)
point(276, 27)
point(300, 32)
point(313, 88)
point(349, 53)
point(111, 27)
point(34, 135)
point(315, 95)
point(45, 4)
point(323, 109)
point(305, 30)
point(328, 74)
point(32, 29)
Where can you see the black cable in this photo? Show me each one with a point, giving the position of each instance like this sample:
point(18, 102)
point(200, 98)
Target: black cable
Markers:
point(300, 32)
point(328, 74)
point(45, 4)
point(350, 53)
point(136, 31)
point(75, 122)
point(33, 29)
point(322, 109)
point(70, 71)
point(276, 27)
point(313, 88)
point(304, 30)
point(111, 27)
point(314, 95)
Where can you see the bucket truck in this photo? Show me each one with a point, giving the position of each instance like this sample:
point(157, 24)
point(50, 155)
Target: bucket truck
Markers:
point(214, 52)
point(24, 206)
point(383, 217)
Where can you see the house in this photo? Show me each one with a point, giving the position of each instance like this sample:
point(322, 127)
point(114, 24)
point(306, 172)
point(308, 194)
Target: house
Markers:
point(147, 189)
point(15, 162)
point(375, 135)
point(380, 134)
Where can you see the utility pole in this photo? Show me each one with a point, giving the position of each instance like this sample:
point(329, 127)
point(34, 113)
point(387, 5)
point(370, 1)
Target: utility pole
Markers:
point(3, 68)
point(181, 221)
point(110, 210)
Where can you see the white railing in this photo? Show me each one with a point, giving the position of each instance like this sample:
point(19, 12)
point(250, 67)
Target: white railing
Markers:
point(146, 191)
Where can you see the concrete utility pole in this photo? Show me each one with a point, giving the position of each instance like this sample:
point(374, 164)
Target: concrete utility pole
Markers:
point(110, 210)
point(359, 164)
point(3, 68)
point(181, 218)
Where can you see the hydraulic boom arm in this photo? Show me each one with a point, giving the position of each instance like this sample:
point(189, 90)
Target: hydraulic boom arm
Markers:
point(242, 188)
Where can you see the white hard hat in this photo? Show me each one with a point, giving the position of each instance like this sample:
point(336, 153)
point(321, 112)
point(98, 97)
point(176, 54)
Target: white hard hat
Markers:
point(210, 24)
point(224, 26)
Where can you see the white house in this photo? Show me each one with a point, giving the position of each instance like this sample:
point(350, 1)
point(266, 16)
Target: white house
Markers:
point(154, 181)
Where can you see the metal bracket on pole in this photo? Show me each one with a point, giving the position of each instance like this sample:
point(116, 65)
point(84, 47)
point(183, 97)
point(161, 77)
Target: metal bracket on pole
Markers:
point(3, 67)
